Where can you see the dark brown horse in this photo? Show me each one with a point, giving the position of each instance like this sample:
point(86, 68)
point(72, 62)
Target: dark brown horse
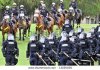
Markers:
point(22, 26)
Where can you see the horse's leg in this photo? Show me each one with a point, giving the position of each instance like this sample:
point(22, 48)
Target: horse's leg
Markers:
point(19, 34)
point(73, 23)
point(28, 31)
point(3, 34)
point(24, 32)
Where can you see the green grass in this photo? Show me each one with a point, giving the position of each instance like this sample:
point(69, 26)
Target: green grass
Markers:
point(22, 45)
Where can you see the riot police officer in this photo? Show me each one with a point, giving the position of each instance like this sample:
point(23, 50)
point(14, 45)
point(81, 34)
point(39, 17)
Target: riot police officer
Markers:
point(64, 50)
point(10, 50)
point(32, 49)
point(67, 26)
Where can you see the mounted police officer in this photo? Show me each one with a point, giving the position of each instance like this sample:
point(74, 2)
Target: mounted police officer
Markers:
point(44, 13)
point(32, 49)
point(22, 12)
point(7, 12)
point(10, 50)
point(61, 5)
point(40, 5)
point(74, 4)
point(14, 11)
point(54, 11)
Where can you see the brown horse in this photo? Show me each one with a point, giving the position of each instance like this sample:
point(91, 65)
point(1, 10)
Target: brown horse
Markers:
point(39, 23)
point(5, 28)
point(61, 20)
point(22, 26)
point(51, 24)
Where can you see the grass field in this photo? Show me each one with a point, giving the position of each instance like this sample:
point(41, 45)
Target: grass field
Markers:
point(22, 45)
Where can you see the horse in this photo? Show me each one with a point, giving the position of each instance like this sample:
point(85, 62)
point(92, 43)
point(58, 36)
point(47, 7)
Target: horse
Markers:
point(28, 21)
point(22, 26)
point(39, 23)
point(61, 18)
point(5, 28)
point(78, 17)
point(50, 24)
point(72, 15)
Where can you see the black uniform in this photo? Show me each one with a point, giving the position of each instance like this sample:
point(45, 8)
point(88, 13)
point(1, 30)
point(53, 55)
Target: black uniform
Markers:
point(10, 50)
point(65, 46)
point(32, 48)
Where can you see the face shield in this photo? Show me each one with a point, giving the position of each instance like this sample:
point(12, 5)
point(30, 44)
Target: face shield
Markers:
point(99, 29)
point(79, 30)
point(10, 37)
point(71, 33)
point(88, 35)
point(92, 30)
point(72, 39)
point(32, 38)
point(42, 39)
point(81, 36)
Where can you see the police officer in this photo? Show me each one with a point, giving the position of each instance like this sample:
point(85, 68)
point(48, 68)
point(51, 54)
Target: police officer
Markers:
point(44, 13)
point(97, 52)
point(14, 10)
point(92, 46)
point(22, 12)
point(45, 49)
point(7, 11)
point(67, 26)
point(53, 43)
point(73, 4)
point(64, 48)
point(40, 5)
point(32, 49)
point(54, 11)
point(79, 31)
point(10, 50)
point(61, 4)
point(84, 49)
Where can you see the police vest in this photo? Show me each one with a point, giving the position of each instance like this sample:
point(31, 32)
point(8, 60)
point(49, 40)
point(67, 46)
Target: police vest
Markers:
point(10, 46)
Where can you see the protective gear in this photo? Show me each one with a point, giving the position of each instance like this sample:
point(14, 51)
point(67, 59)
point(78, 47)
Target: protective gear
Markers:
point(61, 1)
point(14, 4)
point(32, 48)
point(42, 39)
point(33, 38)
point(53, 4)
point(7, 7)
point(80, 30)
point(21, 6)
point(92, 30)
point(10, 37)
point(99, 29)
point(67, 26)
point(60, 10)
point(63, 36)
point(10, 50)
point(81, 36)
point(89, 35)
point(41, 2)
point(71, 33)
